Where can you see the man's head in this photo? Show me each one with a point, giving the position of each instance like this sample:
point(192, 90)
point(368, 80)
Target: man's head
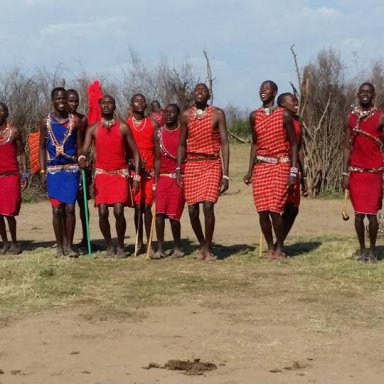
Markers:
point(155, 106)
point(107, 106)
point(366, 94)
point(201, 94)
point(73, 100)
point(3, 113)
point(268, 91)
point(172, 112)
point(289, 101)
point(138, 103)
point(59, 99)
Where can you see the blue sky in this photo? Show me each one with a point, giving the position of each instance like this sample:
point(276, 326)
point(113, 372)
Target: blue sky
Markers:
point(248, 41)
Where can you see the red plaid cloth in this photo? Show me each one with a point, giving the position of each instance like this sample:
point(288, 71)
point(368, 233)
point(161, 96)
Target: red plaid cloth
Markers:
point(202, 181)
point(270, 181)
point(202, 178)
point(202, 138)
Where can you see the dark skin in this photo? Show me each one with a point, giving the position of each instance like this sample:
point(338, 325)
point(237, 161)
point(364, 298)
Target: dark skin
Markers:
point(73, 104)
point(143, 212)
point(108, 107)
point(16, 140)
point(366, 97)
point(269, 219)
point(290, 102)
point(201, 96)
point(63, 215)
point(171, 123)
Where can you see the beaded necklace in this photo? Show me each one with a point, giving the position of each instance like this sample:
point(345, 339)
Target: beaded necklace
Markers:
point(137, 123)
point(161, 142)
point(5, 135)
point(268, 110)
point(199, 114)
point(59, 147)
point(107, 123)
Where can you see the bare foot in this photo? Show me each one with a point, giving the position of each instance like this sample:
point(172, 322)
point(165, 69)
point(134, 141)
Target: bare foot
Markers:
point(361, 255)
point(110, 251)
point(5, 248)
point(158, 255)
point(270, 254)
point(278, 255)
point(200, 255)
point(210, 257)
point(14, 249)
point(70, 252)
point(140, 250)
point(120, 253)
point(59, 252)
point(371, 257)
point(177, 254)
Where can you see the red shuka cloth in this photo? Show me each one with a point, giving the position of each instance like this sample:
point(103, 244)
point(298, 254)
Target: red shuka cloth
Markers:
point(10, 200)
point(294, 190)
point(365, 188)
point(270, 181)
point(169, 196)
point(110, 156)
point(202, 178)
point(145, 142)
point(94, 94)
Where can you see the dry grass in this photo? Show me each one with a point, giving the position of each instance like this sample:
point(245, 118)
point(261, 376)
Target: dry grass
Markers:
point(320, 285)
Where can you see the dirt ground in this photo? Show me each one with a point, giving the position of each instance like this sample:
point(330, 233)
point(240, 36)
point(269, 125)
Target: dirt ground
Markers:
point(62, 346)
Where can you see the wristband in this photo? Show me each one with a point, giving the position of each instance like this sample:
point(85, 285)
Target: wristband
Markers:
point(293, 174)
point(42, 171)
point(82, 157)
point(225, 177)
point(345, 174)
point(25, 175)
point(136, 177)
point(294, 170)
point(178, 169)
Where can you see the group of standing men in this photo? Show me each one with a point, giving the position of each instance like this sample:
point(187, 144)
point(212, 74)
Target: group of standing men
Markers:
point(173, 158)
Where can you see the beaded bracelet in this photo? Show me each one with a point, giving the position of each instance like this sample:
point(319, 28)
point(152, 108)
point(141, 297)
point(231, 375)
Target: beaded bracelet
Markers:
point(226, 177)
point(82, 157)
point(294, 170)
point(25, 175)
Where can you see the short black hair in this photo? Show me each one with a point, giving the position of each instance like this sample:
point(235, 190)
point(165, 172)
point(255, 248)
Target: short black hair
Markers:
point(138, 94)
point(369, 85)
point(282, 96)
point(174, 105)
point(72, 91)
point(57, 89)
point(273, 84)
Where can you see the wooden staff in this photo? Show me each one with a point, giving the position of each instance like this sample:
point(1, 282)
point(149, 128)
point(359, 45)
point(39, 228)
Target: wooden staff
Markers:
point(344, 211)
point(138, 229)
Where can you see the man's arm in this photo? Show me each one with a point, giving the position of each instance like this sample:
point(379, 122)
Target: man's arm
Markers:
point(157, 155)
point(22, 157)
point(82, 152)
point(222, 126)
point(346, 154)
point(182, 148)
point(127, 133)
point(252, 156)
point(291, 134)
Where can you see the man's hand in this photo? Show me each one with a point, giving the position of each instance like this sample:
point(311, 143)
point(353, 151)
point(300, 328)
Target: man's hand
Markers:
point(179, 178)
point(43, 179)
point(82, 160)
point(24, 183)
point(224, 185)
point(136, 186)
point(248, 178)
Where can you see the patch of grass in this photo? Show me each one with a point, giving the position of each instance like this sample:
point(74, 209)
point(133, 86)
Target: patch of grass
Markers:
point(319, 284)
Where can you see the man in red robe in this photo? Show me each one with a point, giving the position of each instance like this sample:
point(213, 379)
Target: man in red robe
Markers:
point(291, 209)
point(169, 196)
point(157, 112)
point(111, 137)
point(272, 165)
point(143, 131)
point(11, 147)
point(363, 167)
point(203, 135)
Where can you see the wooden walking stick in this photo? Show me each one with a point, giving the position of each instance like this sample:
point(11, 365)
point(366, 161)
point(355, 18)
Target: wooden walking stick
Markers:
point(138, 229)
point(86, 211)
point(344, 211)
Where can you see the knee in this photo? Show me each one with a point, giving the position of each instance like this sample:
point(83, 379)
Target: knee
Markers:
point(103, 212)
point(70, 209)
point(193, 211)
point(118, 211)
point(208, 208)
point(359, 218)
point(57, 212)
point(372, 219)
